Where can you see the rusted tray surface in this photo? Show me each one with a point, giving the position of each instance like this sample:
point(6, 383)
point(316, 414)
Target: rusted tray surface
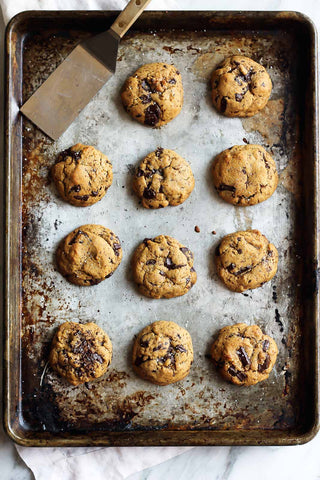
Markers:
point(119, 408)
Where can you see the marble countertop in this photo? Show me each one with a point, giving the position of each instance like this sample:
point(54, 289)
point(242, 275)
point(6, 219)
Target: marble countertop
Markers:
point(203, 463)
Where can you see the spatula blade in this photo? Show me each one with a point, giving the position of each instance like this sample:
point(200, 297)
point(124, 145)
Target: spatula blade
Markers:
point(60, 99)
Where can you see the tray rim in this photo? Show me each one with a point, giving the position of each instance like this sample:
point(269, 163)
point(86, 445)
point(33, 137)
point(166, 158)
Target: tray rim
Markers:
point(161, 437)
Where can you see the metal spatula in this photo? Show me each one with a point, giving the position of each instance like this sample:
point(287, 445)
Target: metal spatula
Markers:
point(60, 99)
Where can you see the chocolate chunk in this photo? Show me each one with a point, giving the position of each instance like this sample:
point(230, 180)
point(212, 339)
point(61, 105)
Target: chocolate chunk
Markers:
point(145, 85)
point(170, 265)
point(97, 357)
point(244, 78)
point(232, 370)
point(262, 367)
point(243, 356)
point(239, 97)
point(149, 173)
point(77, 235)
point(265, 162)
point(270, 253)
point(229, 188)
point(145, 99)
point(140, 173)
point(186, 252)
point(76, 155)
point(149, 193)
point(116, 248)
point(192, 269)
point(158, 347)
point(223, 105)
point(265, 345)
point(144, 343)
point(162, 273)
point(108, 276)
point(181, 348)
point(150, 262)
point(231, 267)
point(94, 193)
point(75, 188)
point(152, 114)
point(241, 376)
point(84, 198)
point(188, 280)
point(239, 79)
point(146, 240)
point(242, 270)
point(172, 81)
point(139, 361)
point(249, 75)
point(159, 152)
point(169, 356)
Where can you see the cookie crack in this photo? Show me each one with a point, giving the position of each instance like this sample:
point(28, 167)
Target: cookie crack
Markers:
point(244, 270)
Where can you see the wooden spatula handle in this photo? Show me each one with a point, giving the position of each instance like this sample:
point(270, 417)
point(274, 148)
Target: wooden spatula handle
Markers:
point(128, 16)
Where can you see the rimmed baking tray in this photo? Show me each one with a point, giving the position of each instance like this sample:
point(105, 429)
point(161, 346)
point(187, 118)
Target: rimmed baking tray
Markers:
point(119, 408)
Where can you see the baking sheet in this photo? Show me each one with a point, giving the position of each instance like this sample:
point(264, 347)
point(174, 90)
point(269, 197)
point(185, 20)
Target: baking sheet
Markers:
point(120, 401)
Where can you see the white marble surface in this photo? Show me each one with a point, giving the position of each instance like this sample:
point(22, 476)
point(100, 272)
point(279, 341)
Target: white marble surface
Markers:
point(214, 463)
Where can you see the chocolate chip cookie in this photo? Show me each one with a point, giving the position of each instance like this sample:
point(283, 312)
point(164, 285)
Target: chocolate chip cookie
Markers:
point(80, 353)
point(163, 268)
point(243, 354)
point(153, 95)
point(163, 178)
point(89, 254)
point(163, 353)
point(246, 260)
point(245, 175)
point(82, 175)
point(240, 87)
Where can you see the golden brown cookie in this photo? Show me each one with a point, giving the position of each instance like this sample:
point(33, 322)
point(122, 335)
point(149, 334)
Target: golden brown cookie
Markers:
point(240, 87)
point(89, 254)
point(163, 178)
point(163, 353)
point(82, 175)
point(245, 175)
point(243, 354)
point(163, 268)
point(153, 95)
point(246, 260)
point(80, 353)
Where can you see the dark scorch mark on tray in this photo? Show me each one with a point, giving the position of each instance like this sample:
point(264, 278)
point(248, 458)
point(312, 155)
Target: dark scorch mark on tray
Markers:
point(277, 319)
point(131, 168)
